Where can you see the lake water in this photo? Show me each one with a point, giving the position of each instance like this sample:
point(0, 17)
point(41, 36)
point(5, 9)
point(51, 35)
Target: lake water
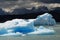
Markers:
point(36, 37)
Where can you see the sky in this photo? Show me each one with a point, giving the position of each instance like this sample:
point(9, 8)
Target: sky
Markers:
point(28, 3)
point(9, 6)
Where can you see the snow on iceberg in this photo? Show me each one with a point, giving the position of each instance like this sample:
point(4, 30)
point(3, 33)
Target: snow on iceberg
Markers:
point(45, 19)
point(42, 31)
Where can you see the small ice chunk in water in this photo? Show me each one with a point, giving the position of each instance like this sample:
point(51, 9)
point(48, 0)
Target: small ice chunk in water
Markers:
point(12, 34)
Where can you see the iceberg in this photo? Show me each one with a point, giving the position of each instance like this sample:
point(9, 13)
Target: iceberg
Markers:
point(45, 19)
point(42, 31)
point(22, 27)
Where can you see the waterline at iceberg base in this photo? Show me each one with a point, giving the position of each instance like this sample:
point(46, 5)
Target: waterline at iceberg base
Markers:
point(24, 27)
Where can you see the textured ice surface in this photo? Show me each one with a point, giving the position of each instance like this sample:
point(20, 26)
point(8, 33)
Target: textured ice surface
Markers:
point(22, 27)
point(18, 25)
point(3, 31)
point(45, 19)
point(42, 30)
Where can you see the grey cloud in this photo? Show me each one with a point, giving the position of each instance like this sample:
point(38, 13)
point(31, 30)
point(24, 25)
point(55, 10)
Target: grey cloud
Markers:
point(26, 3)
point(10, 5)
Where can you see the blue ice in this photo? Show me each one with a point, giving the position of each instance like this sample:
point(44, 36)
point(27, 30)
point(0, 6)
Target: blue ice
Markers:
point(42, 31)
point(45, 19)
point(23, 27)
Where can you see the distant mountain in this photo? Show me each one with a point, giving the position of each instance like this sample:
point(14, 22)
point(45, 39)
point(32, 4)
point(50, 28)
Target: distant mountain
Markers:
point(21, 11)
point(49, 1)
point(2, 12)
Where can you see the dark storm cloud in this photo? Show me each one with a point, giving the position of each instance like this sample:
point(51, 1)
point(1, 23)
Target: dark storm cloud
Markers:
point(27, 3)
point(13, 3)
point(10, 5)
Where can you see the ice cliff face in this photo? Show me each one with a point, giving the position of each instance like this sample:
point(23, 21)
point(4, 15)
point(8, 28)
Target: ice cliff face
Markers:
point(45, 19)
